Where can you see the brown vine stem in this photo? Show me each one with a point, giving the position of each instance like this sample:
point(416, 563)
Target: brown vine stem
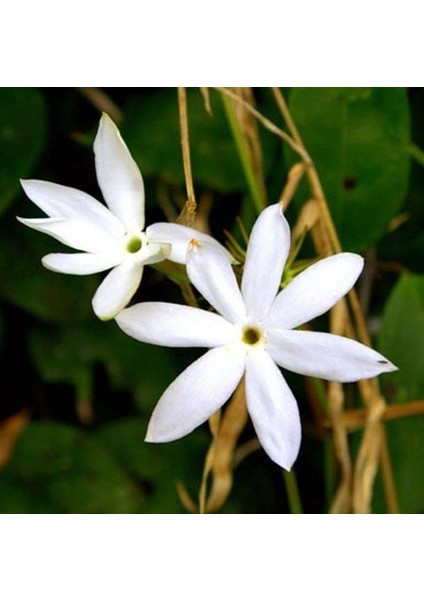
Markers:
point(206, 100)
point(342, 501)
point(294, 177)
point(102, 102)
point(189, 211)
point(318, 193)
point(231, 425)
point(373, 439)
point(299, 149)
point(354, 419)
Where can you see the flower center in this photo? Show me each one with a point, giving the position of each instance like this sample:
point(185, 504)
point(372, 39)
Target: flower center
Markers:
point(251, 335)
point(133, 244)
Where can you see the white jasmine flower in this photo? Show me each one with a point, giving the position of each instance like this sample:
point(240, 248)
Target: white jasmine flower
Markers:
point(254, 332)
point(109, 238)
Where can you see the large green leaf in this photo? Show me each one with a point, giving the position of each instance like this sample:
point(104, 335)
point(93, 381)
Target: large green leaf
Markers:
point(401, 339)
point(358, 139)
point(22, 134)
point(69, 355)
point(52, 297)
point(64, 466)
point(158, 466)
point(152, 132)
point(16, 498)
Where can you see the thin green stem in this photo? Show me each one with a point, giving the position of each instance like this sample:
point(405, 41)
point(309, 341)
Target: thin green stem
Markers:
point(292, 491)
point(254, 188)
point(417, 154)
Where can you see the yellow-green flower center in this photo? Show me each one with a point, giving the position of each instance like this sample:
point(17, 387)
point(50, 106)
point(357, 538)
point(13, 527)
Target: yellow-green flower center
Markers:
point(133, 245)
point(251, 335)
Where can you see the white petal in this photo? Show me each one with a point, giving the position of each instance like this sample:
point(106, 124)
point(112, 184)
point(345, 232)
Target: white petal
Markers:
point(153, 253)
point(116, 290)
point(76, 233)
point(80, 264)
point(118, 175)
point(175, 325)
point(62, 202)
point(196, 394)
point(325, 355)
point(315, 291)
point(273, 409)
point(266, 256)
point(180, 236)
point(211, 273)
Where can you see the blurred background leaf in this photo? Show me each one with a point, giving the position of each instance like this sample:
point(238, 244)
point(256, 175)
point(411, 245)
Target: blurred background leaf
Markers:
point(64, 467)
point(22, 136)
point(402, 338)
point(358, 139)
point(70, 355)
point(215, 162)
point(51, 297)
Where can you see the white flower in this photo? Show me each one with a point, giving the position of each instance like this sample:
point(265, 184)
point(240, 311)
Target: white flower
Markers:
point(110, 238)
point(255, 333)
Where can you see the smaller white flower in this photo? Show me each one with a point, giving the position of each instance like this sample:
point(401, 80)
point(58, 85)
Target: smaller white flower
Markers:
point(109, 238)
point(255, 333)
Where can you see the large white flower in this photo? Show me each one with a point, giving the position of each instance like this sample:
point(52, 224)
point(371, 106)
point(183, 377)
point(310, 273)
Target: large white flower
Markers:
point(109, 238)
point(255, 333)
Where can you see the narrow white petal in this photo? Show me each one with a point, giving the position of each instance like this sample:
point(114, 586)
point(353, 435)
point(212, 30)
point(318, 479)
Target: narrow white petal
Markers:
point(266, 256)
point(315, 291)
point(118, 175)
point(76, 233)
point(62, 202)
point(175, 325)
point(196, 394)
point(179, 237)
point(116, 290)
point(211, 273)
point(325, 355)
point(273, 409)
point(80, 264)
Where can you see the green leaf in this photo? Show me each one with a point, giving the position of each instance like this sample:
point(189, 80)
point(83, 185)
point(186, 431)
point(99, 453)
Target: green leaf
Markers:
point(406, 447)
point(72, 471)
point(358, 139)
point(52, 297)
point(19, 499)
point(158, 466)
point(144, 369)
point(401, 339)
point(22, 135)
point(70, 353)
point(152, 131)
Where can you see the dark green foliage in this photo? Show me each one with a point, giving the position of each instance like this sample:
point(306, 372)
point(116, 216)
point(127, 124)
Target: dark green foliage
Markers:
point(358, 139)
point(22, 135)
